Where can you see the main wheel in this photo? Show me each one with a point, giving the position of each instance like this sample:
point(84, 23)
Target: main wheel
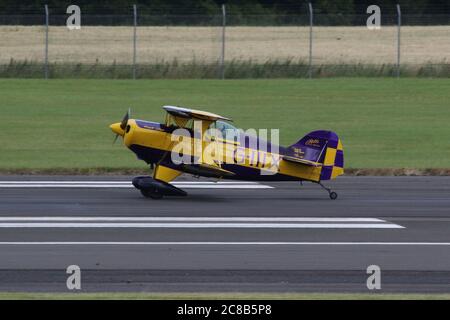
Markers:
point(151, 193)
point(333, 195)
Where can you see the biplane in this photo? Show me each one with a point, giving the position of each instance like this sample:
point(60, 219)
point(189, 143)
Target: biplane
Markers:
point(178, 146)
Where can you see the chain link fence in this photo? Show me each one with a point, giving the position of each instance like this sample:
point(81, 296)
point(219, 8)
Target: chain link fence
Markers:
point(145, 45)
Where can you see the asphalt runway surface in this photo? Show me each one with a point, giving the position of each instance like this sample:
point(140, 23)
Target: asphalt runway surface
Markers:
point(225, 237)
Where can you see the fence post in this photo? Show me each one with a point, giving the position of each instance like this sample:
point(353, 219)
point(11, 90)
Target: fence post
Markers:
point(46, 43)
point(134, 40)
point(311, 17)
point(222, 55)
point(399, 24)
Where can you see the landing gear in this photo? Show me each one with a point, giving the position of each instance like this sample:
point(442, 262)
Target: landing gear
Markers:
point(333, 195)
point(151, 193)
point(156, 189)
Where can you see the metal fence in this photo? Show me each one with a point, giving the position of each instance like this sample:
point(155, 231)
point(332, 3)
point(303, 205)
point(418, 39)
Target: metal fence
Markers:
point(142, 45)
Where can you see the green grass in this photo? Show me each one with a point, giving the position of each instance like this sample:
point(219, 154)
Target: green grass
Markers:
point(234, 69)
point(220, 296)
point(383, 123)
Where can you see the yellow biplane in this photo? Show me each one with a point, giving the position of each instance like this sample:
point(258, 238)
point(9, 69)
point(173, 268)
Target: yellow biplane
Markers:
point(206, 144)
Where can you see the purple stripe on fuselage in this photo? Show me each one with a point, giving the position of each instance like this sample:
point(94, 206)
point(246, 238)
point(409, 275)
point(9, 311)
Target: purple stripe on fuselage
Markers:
point(151, 125)
point(161, 127)
point(254, 174)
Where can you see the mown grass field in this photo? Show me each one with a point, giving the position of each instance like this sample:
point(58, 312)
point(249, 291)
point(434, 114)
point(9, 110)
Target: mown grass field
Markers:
point(383, 123)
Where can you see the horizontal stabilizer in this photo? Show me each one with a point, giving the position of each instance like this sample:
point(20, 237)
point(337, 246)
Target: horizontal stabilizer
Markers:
point(302, 161)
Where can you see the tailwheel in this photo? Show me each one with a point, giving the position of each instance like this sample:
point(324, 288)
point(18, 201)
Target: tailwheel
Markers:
point(151, 193)
point(333, 195)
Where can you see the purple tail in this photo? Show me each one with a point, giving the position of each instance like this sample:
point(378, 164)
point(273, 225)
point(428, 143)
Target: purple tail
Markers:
point(322, 147)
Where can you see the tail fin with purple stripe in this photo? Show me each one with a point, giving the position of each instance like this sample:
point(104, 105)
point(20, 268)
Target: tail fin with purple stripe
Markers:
point(321, 147)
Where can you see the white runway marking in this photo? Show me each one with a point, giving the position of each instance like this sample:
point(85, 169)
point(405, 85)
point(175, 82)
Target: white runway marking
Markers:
point(197, 222)
point(185, 186)
point(127, 184)
point(205, 225)
point(147, 243)
point(117, 182)
point(196, 219)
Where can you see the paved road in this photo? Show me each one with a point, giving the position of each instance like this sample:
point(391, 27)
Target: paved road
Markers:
point(225, 237)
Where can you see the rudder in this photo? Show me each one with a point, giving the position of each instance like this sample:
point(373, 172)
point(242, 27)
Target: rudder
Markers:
point(323, 147)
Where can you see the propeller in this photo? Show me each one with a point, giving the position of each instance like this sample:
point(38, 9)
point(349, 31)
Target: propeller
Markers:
point(123, 123)
point(115, 139)
point(125, 119)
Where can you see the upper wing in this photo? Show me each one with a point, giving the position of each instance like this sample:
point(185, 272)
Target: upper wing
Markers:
point(191, 113)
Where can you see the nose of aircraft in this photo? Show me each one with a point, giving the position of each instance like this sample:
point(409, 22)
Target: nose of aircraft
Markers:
point(115, 127)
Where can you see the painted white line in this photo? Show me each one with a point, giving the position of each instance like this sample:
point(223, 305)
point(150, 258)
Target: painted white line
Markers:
point(238, 186)
point(186, 186)
point(217, 243)
point(62, 182)
point(195, 219)
point(118, 182)
point(205, 225)
point(66, 185)
point(127, 184)
point(215, 182)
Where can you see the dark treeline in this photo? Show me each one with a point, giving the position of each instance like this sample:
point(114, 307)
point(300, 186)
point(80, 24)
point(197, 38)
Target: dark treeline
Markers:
point(234, 7)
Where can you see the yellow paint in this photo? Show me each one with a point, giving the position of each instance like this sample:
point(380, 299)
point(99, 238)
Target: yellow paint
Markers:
point(115, 127)
point(330, 155)
point(165, 174)
point(337, 171)
point(300, 171)
point(340, 147)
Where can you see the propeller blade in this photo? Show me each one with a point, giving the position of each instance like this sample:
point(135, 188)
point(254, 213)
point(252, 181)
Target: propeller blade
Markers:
point(115, 138)
point(125, 119)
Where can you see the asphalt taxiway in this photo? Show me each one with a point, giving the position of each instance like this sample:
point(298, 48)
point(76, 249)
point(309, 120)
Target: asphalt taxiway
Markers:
point(226, 236)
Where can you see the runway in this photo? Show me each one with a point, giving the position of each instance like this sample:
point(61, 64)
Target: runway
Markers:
point(226, 236)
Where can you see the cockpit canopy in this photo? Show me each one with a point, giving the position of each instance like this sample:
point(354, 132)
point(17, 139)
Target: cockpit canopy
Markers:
point(225, 131)
point(224, 127)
